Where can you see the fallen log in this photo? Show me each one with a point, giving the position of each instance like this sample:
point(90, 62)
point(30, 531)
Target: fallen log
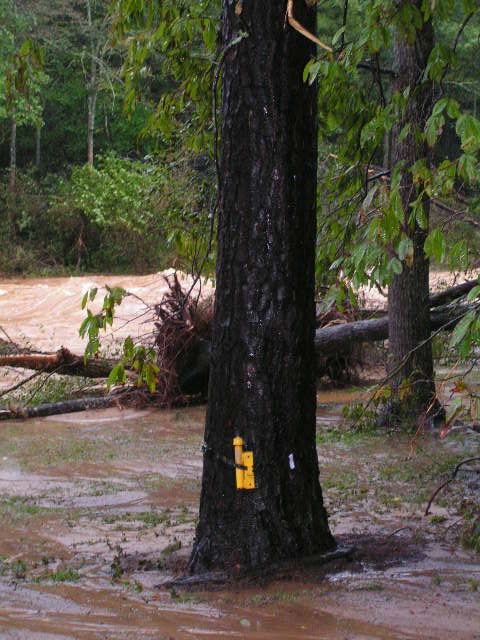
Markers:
point(453, 293)
point(329, 341)
point(56, 408)
point(336, 339)
point(62, 361)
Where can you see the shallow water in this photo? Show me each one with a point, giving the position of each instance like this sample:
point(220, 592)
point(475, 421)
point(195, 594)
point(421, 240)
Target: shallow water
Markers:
point(103, 489)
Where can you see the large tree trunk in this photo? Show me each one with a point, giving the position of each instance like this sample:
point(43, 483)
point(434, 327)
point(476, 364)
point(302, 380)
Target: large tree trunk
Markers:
point(262, 380)
point(412, 386)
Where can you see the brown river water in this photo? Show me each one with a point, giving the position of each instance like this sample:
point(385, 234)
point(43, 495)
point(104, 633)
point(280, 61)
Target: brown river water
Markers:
point(98, 511)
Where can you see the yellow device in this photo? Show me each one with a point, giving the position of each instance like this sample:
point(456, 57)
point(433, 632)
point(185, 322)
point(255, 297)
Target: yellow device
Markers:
point(245, 477)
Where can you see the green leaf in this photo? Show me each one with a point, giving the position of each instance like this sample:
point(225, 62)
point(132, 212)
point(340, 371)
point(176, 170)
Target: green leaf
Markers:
point(453, 109)
point(439, 106)
point(150, 379)
point(395, 266)
point(338, 35)
point(128, 348)
point(405, 249)
point(435, 245)
point(117, 375)
point(462, 329)
point(467, 167)
point(474, 293)
point(85, 300)
point(84, 326)
point(404, 132)
point(369, 198)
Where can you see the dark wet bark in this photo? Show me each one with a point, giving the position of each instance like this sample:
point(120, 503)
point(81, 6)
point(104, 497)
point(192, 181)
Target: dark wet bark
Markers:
point(408, 308)
point(262, 382)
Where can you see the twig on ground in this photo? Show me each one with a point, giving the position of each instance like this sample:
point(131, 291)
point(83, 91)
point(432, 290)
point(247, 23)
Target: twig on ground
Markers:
point(447, 482)
point(20, 384)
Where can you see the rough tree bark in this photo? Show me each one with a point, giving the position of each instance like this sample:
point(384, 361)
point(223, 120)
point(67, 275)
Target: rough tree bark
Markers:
point(262, 380)
point(408, 314)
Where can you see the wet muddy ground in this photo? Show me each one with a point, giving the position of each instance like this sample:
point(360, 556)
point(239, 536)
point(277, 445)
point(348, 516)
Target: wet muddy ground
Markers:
point(97, 510)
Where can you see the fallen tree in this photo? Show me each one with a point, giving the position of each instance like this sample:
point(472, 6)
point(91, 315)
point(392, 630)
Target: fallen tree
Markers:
point(182, 344)
point(56, 408)
point(330, 341)
point(334, 340)
point(62, 361)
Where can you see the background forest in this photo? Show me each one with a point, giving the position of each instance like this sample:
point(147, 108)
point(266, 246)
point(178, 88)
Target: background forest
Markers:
point(106, 139)
point(80, 176)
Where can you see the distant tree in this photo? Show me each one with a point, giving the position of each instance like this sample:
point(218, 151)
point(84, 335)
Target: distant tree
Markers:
point(21, 79)
point(412, 385)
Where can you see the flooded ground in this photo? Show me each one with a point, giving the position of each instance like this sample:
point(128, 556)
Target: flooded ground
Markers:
point(98, 512)
point(46, 312)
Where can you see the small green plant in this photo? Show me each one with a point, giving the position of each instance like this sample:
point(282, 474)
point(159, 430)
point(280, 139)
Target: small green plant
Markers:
point(65, 574)
point(171, 548)
point(437, 519)
point(116, 565)
point(470, 536)
point(94, 322)
point(363, 419)
point(473, 584)
point(136, 357)
point(19, 569)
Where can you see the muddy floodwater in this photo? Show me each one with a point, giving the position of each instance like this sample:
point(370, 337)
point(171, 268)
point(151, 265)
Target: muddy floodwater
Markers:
point(98, 512)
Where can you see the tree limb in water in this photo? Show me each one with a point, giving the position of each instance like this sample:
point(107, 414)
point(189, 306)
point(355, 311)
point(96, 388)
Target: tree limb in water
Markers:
point(63, 359)
point(55, 408)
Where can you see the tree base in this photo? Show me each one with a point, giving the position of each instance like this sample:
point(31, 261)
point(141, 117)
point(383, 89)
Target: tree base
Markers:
point(395, 415)
point(212, 579)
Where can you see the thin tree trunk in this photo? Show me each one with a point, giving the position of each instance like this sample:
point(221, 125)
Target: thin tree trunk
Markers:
point(413, 388)
point(92, 100)
point(11, 204)
point(38, 147)
point(262, 377)
point(13, 156)
point(92, 87)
